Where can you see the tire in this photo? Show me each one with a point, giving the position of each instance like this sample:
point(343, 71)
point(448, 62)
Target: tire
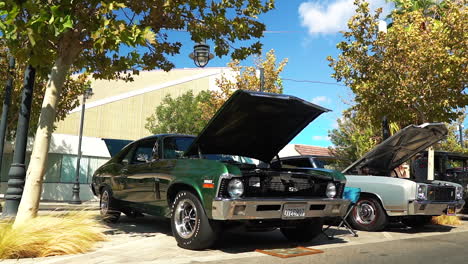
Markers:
point(190, 226)
point(416, 221)
point(107, 206)
point(304, 232)
point(368, 215)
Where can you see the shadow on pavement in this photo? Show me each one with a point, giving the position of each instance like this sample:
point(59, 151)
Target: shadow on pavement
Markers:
point(147, 226)
point(240, 242)
point(229, 242)
point(401, 228)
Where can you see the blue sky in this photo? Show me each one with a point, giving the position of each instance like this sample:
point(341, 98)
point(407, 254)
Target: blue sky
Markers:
point(309, 32)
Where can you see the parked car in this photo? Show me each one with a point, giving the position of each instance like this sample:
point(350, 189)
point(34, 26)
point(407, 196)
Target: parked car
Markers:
point(384, 198)
point(452, 167)
point(211, 182)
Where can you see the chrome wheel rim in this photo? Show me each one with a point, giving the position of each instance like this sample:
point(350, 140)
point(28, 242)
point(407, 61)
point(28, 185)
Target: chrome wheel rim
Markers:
point(104, 205)
point(366, 213)
point(185, 218)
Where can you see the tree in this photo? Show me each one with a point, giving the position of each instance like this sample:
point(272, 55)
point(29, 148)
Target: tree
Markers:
point(180, 115)
point(92, 36)
point(414, 73)
point(452, 142)
point(246, 78)
point(352, 139)
point(73, 88)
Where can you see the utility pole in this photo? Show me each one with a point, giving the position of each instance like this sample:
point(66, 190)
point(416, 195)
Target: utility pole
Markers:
point(385, 129)
point(262, 79)
point(6, 106)
point(460, 130)
point(17, 173)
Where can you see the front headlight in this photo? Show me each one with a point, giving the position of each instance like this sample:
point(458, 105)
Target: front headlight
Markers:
point(331, 190)
point(235, 188)
point(459, 193)
point(421, 192)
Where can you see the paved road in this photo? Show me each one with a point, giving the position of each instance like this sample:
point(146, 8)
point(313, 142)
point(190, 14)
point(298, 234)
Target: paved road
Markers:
point(149, 240)
point(443, 249)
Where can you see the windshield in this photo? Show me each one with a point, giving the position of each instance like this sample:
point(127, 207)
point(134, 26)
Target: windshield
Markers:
point(181, 144)
point(229, 158)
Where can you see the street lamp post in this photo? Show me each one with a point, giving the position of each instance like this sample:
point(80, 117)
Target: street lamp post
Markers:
point(201, 54)
point(17, 172)
point(6, 105)
point(76, 186)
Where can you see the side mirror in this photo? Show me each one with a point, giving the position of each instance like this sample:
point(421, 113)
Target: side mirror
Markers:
point(125, 161)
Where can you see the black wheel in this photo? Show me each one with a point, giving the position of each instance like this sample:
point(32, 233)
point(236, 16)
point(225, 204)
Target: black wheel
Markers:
point(190, 226)
point(417, 220)
point(304, 232)
point(107, 206)
point(368, 215)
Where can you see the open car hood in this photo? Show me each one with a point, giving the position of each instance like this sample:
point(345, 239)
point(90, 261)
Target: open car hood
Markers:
point(255, 124)
point(399, 148)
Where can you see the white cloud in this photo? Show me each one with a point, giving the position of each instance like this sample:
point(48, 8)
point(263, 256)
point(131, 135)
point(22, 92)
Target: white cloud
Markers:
point(329, 17)
point(321, 138)
point(321, 100)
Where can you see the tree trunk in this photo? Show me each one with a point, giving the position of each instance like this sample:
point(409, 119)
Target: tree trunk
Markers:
point(29, 204)
point(34, 176)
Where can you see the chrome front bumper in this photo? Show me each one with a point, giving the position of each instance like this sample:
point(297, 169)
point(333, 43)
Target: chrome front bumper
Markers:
point(249, 209)
point(433, 208)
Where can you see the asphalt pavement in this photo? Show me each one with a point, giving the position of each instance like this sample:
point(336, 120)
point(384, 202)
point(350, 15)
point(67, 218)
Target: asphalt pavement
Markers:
point(149, 240)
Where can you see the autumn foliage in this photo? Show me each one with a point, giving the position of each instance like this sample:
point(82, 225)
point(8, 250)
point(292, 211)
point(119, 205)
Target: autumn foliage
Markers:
point(245, 78)
point(414, 73)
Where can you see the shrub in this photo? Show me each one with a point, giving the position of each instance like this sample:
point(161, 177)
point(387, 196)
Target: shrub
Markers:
point(60, 234)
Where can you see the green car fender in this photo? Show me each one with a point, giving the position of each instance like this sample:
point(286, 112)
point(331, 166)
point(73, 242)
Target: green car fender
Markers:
point(202, 176)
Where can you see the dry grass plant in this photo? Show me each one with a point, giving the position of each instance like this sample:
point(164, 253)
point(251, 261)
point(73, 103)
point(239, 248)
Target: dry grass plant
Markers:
point(446, 220)
point(58, 234)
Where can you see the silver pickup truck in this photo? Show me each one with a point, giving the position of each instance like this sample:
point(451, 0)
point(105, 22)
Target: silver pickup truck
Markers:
point(385, 198)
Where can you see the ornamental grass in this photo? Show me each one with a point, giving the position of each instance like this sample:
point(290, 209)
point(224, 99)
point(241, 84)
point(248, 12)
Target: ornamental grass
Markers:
point(446, 220)
point(52, 235)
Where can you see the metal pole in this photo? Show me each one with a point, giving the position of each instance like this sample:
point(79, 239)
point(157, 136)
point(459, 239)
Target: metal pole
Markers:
point(6, 106)
point(76, 185)
point(17, 173)
point(460, 130)
point(385, 128)
point(262, 79)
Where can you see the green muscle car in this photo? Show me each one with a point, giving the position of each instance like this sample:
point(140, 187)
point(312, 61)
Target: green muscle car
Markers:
point(223, 178)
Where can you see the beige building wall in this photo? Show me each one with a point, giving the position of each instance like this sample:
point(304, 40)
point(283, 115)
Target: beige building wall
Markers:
point(119, 109)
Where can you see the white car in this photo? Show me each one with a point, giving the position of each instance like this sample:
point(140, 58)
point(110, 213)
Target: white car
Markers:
point(384, 198)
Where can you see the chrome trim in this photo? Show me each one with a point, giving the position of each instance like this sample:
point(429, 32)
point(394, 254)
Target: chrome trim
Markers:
point(225, 175)
point(432, 207)
point(223, 209)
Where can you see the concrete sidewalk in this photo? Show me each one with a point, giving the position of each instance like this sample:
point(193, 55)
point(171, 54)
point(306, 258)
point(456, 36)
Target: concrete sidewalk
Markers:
point(149, 240)
point(65, 206)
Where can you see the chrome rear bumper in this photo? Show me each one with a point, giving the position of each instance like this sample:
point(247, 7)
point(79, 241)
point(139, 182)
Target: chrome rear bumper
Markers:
point(249, 209)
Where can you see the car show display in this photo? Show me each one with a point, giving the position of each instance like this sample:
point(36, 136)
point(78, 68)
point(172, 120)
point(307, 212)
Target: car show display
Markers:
point(223, 178)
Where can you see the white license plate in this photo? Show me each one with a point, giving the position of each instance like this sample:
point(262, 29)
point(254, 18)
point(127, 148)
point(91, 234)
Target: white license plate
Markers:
point(294, 211)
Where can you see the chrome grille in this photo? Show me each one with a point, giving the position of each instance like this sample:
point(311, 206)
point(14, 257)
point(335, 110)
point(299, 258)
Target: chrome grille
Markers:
point(277, 187)
point(441, 193)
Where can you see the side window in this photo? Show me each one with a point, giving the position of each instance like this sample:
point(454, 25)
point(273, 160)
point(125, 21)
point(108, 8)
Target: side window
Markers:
point(143, 152)
point(174, 147)
point(124, 156)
